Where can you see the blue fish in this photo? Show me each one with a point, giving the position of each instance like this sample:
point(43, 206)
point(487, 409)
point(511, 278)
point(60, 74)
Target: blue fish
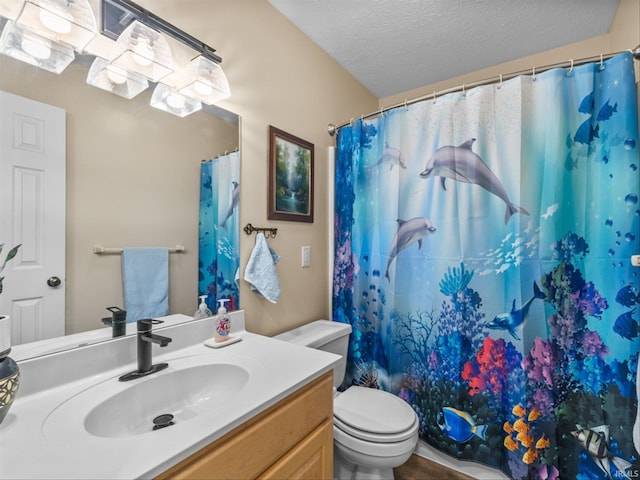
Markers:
point(626, 297)
point(587, 103)
point(626, 326)
point(586, 133)
point(459, 425)
point(606, 111)
point(513, 319)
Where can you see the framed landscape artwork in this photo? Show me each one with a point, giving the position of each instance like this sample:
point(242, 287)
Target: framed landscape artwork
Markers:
point(290, 177)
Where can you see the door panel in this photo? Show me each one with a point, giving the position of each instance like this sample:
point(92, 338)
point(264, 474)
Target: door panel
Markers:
point(32, 213)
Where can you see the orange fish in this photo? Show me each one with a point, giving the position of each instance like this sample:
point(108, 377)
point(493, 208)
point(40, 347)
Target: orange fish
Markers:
point(525, 440)
point(529, 457)
point(511, 444)
point(518, 411)
point(507, 427)
point(534, 415)
point(520, 426)
point(543, 442)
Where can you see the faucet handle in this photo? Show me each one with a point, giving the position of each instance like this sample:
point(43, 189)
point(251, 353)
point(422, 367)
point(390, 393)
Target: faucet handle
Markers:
point(145, 324)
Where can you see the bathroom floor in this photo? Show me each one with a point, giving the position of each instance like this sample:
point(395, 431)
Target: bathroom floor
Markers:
point(418, 468)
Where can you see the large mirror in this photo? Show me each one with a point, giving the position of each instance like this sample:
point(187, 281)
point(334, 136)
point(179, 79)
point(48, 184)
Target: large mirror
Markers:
point(132, 179)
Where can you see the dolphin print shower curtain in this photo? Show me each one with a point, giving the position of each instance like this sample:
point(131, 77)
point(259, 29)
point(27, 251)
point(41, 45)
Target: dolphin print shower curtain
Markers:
point(482, 256)
point(219, 231)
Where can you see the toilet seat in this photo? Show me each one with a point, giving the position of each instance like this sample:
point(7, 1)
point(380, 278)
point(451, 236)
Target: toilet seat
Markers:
point(373, 416)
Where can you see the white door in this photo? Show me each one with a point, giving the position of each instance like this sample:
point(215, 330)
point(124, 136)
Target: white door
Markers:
point(32, 213)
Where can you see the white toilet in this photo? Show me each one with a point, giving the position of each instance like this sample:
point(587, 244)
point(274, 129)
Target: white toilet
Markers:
point(373, 431)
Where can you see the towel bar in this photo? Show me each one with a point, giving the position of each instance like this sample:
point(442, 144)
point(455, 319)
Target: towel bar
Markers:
point(99, 249)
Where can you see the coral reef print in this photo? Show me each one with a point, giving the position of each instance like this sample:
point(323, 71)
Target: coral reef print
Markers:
point(513, 334)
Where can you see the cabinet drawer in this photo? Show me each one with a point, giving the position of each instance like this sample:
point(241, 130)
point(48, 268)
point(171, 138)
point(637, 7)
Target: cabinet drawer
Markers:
point(250, 449)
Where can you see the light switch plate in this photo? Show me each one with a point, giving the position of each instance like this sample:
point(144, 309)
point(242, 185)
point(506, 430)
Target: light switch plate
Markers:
point(306, 256)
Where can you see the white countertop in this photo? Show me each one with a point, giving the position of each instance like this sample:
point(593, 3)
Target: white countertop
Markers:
point(29, 451)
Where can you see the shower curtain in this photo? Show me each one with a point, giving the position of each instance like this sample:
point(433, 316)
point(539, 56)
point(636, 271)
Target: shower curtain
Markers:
point(219, 231)
point(482, 246)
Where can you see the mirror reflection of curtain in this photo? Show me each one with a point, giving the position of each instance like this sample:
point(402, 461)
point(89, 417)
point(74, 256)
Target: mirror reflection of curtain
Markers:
point(219, 235)
point(482, 248)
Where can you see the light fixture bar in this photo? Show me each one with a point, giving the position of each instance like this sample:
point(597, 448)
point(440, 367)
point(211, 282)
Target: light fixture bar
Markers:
point(118, 14)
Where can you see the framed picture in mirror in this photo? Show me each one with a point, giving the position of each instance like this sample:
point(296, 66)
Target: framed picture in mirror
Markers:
point(290, 177)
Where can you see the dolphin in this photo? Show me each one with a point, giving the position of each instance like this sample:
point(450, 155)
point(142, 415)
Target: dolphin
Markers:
point(409, 231)
point(392, 156)
point(510, 321)
point(463, 165)
point(235, 198)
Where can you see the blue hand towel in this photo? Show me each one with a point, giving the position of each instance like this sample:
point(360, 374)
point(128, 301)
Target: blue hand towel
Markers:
point(261, 270)
point(145, 279)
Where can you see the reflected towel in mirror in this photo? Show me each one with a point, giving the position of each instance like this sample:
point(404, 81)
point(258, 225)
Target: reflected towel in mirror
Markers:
point(145, 280)
point(261, 270)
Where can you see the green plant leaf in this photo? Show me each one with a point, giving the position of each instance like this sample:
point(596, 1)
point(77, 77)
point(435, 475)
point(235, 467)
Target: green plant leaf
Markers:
point(12, 253)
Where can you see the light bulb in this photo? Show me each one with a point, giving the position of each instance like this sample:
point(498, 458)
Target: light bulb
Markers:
point(142, 53)
point(175, 101)
point(202, 88)
point(39, 50)
point(54, 22)
point(116, 74)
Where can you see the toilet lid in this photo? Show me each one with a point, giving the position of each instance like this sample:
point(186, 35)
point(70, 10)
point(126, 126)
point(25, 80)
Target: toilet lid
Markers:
point(371, 413)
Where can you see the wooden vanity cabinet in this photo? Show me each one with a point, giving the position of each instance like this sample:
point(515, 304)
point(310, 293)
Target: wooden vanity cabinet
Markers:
point(292, 439)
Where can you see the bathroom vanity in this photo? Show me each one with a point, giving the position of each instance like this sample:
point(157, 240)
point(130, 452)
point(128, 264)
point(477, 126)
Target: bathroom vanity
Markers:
point(292, 439)
point(260, 408)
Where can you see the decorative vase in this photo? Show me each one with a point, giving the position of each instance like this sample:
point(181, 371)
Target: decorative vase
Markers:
point(9, 371)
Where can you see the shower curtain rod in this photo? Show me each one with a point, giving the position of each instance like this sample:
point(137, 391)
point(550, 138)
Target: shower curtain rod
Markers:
point(226, 152)
point(332, 129)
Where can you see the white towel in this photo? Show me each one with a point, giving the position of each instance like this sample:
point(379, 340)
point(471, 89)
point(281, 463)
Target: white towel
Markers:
point(261, 270)
point(145, 278)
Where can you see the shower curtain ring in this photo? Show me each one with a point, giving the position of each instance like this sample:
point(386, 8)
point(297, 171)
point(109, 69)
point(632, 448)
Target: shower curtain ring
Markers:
point(601, 62)
point(570, 69)
point(405, 105)
point(434, 97)
point(500, 84)
point(533, 75)
point(464, 93)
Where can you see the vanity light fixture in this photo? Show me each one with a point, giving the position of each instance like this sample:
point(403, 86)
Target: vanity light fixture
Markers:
point(143, 50)
point(44, 33)
point(71, 22)
point(205, 80)
point(115, 79)
point(34, 49)
point(168, 99)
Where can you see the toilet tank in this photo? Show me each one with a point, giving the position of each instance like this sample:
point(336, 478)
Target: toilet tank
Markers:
point(324, 335)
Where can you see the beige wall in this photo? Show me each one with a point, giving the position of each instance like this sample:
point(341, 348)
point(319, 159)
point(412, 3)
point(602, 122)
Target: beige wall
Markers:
point(278, 77)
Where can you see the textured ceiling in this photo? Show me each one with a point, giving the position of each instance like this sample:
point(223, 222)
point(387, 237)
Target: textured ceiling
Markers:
point(391, 46)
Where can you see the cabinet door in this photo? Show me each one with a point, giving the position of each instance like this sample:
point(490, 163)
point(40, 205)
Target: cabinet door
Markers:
point(311, 459)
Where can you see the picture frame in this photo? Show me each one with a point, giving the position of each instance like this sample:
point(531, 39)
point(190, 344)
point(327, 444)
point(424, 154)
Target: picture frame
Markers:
point(290, 177)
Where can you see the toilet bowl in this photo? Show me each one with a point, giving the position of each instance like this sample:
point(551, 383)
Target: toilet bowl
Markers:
point(373, 431)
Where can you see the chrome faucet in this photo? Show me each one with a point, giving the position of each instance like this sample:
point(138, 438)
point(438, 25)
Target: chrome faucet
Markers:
point(145, 341)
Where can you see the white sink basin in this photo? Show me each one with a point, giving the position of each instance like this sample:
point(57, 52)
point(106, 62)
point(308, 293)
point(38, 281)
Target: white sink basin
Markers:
point(188, 389)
